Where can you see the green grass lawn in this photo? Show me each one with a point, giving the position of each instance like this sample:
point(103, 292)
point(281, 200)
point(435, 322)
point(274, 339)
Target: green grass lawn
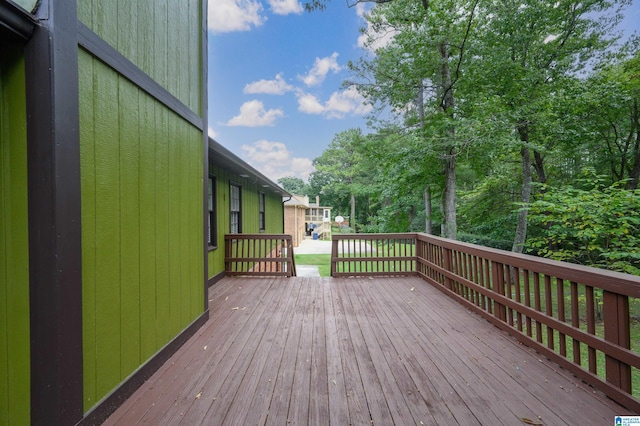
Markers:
point(323, 261)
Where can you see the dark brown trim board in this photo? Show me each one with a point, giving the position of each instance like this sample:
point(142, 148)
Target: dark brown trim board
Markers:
point(108, 405)
point(51, 61)
point(216, 278)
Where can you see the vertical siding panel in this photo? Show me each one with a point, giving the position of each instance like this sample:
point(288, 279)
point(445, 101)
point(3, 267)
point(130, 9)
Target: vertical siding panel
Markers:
point(88, 212)
point(173, 47)
point(178, 51)
point(14, 246)
point(106, 21)
point(129, 227)
point(174, 227)
point(162, 226)
point(196, 228)
point(184, 206)
point(84, 13)
point(127, 11)
point(108, 308)
point(145, 37)
point(160, 38)
point(5, 205)
point(195, 80)
point(147, 183)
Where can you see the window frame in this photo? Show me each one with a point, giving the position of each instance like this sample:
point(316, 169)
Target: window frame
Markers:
point(262, 222)
point(212, 232)
point(235, 213)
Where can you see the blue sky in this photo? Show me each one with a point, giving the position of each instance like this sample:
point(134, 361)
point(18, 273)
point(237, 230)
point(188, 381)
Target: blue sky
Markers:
point(275, 79)
point(275, 76)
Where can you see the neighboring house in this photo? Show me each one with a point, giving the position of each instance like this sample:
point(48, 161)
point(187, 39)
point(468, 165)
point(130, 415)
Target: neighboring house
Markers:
point(318, 219)
point(246, 202)
point(295, 223)
point(105, 165)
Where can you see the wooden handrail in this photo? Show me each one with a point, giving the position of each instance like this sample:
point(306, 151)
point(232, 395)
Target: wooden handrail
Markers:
point(259, 255)
point(577, 316)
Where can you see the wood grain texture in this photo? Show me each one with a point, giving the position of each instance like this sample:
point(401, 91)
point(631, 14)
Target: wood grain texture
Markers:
point(355, 351)
point(161, 37)
point(142, 192)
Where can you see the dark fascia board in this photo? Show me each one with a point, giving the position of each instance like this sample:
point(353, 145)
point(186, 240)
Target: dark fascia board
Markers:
point(221, 157)
point(15, 22)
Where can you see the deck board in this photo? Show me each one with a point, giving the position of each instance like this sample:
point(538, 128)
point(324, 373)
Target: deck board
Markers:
point(355, 351)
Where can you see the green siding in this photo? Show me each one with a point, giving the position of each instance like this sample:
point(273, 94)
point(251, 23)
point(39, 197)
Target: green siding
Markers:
point(14, 244)
point(161, 37)
point(250, 209)
point(141, 177)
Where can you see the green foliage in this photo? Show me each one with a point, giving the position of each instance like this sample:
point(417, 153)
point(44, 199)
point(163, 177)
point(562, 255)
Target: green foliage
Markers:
point(592, 224)
point(294, 185)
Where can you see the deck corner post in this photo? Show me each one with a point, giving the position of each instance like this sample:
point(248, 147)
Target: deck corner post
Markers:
point(617, 330)
point(334, 256)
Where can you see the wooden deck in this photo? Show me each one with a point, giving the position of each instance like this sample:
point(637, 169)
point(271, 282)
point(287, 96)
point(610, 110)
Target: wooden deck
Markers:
point(356, 351)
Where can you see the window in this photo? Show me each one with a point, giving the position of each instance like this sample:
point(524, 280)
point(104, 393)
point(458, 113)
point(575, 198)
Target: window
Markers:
point(212, 237)
point(261, 221)
point(235, 212)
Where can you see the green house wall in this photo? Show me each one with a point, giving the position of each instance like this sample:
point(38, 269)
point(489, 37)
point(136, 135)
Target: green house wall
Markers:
point(250, 212)
point(141, 190)
point(14, 245)
point(161, 37)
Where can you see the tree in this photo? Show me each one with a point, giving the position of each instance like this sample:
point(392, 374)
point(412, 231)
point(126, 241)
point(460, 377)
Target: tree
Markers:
point(525, 52)
point(344, 171)
point(612, 134)
point(590, 223)
point(425, 56)
point(294, 185)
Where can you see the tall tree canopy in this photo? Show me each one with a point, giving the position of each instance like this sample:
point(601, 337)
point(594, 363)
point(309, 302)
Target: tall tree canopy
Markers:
point(490, 106)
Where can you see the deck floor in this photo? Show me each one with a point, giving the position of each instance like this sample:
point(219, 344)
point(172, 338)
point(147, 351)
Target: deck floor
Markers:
point(391, 351)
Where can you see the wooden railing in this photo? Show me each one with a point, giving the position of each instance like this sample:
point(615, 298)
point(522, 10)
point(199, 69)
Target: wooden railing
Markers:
point(259, 255)
point(373, 254)
point(576, 316)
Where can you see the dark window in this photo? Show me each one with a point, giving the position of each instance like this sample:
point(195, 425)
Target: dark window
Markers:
point(211, 207)
point(235, 206)
point(261, 220)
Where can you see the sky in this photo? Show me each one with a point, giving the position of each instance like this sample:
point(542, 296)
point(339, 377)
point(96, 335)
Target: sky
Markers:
point(275, 79)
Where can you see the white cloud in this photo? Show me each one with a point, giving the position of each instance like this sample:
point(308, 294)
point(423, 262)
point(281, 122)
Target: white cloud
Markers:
point(321, 67)
point(277, 86)
point(253, 114)
point(274, 160)
point(309, 104)
point(212, 133)
point(339, 105)
point(234, 15)
point(285, 7)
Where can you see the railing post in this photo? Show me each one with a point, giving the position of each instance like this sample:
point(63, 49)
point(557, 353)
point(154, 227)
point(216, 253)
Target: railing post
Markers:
point(334, 255)
point(617, 330)
point(497, 274)
point(448, 266)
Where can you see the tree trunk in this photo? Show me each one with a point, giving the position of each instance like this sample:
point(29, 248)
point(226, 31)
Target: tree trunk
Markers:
point(427, 208)
point(449, 199)
point(634, 172)
point(521, 228)
point(352, 218)
point(538, 165)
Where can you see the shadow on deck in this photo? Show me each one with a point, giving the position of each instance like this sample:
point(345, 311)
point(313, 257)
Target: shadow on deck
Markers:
point(356, 351)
